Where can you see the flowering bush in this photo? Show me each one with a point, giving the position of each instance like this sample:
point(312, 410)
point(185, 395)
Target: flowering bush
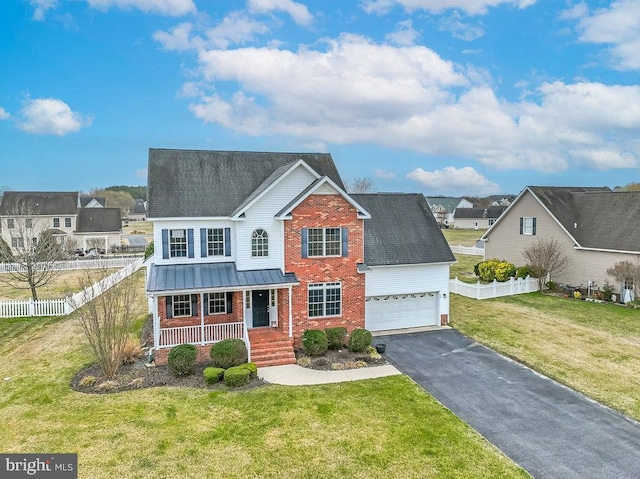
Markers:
point(496, 269)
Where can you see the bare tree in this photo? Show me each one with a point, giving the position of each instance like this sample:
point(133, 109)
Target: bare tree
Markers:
point(544, 257)
point(624, 271)
point(361, 185)
point(442, 216)
point(34, 249)
point(107, 316)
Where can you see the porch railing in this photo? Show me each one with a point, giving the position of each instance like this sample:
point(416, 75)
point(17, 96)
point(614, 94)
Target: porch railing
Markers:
point(213, 333)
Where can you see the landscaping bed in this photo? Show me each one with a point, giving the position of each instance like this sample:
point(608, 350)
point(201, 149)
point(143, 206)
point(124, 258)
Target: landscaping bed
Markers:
point(337, 360)
point(139, 376)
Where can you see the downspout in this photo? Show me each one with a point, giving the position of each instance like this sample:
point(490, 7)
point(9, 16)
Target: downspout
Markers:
point(290, 312)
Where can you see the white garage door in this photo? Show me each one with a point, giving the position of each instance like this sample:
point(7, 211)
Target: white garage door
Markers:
point(401, 311)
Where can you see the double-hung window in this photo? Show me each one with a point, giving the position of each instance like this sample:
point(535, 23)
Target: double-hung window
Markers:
point(67, 222)
point(56, 222)
point(528, 225)
point(324, 242)
point(629, 283)
point(217, 303)
point(325, 299)
point(17, 242)
point(181, 305)
point(11, 223)
point(177, 243)
point(215, 242)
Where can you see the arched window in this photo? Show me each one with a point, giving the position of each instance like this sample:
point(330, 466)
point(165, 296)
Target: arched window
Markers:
point(259, 243)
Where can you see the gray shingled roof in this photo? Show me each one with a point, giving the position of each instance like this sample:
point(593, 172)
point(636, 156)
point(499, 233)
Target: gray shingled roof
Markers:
point(448, 202)
point(98, 220)
point(402, 230)
point(182, 277)
point(595, 217)
point(492, 212)
point(193, 183)
point(39, 202)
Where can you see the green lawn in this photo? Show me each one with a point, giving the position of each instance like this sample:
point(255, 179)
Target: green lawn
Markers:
point(590, 347)
point(463, 269)
point(387, 427)
point(462, 237)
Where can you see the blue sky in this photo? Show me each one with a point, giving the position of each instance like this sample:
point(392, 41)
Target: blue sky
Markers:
point(454, 97)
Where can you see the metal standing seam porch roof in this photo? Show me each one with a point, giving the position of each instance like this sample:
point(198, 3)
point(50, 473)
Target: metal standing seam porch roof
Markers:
point(189, 277)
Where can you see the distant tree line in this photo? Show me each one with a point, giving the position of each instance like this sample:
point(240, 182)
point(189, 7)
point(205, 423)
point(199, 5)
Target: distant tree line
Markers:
point(138, 192)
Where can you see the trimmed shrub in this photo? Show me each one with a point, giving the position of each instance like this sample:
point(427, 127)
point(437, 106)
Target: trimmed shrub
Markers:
point(523, 272)
point(496, 269)
point(182, 359)
point(228, 353)
point(335, 337)
point(252, 368)
point(237, 376)
point(314, 342)
point(212, 375)
point(360, 340)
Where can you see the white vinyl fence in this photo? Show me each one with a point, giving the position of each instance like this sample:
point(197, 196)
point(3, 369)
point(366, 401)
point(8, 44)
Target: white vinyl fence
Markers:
point(98, 263)
point(495, 289)
point(62, 307)
point(471, 250)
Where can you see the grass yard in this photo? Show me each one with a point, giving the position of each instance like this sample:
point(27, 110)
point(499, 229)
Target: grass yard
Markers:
point(138, 228)
point(386, 427)
point(462, 237)
point(463, 269)
point(593, 348)
point(67, 282)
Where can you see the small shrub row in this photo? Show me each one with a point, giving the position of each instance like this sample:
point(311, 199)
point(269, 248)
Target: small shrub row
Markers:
point(316, 342)
point(500, 270)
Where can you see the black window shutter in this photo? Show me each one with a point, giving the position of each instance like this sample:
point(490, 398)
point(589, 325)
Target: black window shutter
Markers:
point(207, 308)
point(203, 242)
point(345, 242)
point(304, 242)
point(521, 225)
point(229, 303)
point(190, 252)
point(534, 226)
point(227, 241)
point(194, 304)
point(165, 244)
point(169, 307)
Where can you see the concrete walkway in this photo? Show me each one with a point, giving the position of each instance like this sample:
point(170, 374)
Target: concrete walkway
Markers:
point(294, 375)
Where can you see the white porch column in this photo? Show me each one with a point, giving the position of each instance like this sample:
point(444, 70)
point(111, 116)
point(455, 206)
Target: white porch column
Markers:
point(202, 319)
point(290, 312)
point(156, 323)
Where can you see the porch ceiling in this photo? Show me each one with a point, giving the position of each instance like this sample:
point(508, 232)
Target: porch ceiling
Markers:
point(206, 276)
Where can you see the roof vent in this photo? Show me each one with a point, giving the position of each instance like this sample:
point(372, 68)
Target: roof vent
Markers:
point(575, 225)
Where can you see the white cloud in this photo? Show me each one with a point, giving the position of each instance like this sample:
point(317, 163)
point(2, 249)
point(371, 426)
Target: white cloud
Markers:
point(4, 114)
point(297, 11)
point(355, 91)
point(172, 8)
point(577, 11)
point(455, 181)
point(617, 26)
point(179, 38)
point(405, 34)
point(470, 7)
point(41, 7)
point(460, 29)
point(142, 173)
point(384, 174)
point(50, 116)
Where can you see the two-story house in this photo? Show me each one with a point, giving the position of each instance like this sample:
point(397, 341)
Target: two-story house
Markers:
point(26, 215)
point(263, 246)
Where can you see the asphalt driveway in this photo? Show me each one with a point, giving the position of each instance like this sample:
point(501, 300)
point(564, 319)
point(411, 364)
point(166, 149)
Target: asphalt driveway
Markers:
point(548, 429)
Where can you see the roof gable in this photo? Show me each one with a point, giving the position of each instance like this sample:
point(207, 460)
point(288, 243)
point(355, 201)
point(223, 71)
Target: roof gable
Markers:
point(193, 183)
point(492, 212)
point(402, 230)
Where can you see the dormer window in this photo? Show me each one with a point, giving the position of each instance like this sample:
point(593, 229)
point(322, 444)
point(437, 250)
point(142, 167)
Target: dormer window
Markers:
point(259, 243)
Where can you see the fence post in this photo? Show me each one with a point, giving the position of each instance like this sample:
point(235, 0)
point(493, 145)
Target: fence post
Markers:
point(31, 307)
point(478, 290)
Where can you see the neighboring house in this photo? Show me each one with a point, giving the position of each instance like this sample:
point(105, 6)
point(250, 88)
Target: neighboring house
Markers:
point(444, 208)
point(596, 227)
point(139, 211)
point(263, 246)
point(26, 215)
point(477, 218)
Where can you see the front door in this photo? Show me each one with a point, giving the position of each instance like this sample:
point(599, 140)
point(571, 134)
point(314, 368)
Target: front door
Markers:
point(260, 307)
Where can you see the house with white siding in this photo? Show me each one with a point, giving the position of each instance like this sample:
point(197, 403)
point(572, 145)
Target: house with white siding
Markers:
point(263, 246)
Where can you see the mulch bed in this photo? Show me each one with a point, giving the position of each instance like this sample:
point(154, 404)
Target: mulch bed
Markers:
point(139, 376)
point(336, 360)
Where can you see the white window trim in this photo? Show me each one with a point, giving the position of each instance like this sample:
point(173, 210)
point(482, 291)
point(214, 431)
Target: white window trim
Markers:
point(173, 306)
point(173, 245)
point(224, 304)
point(324, 287)
point(211, 243)
point(527, 225)
point(324, 243)
point(263, 246)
